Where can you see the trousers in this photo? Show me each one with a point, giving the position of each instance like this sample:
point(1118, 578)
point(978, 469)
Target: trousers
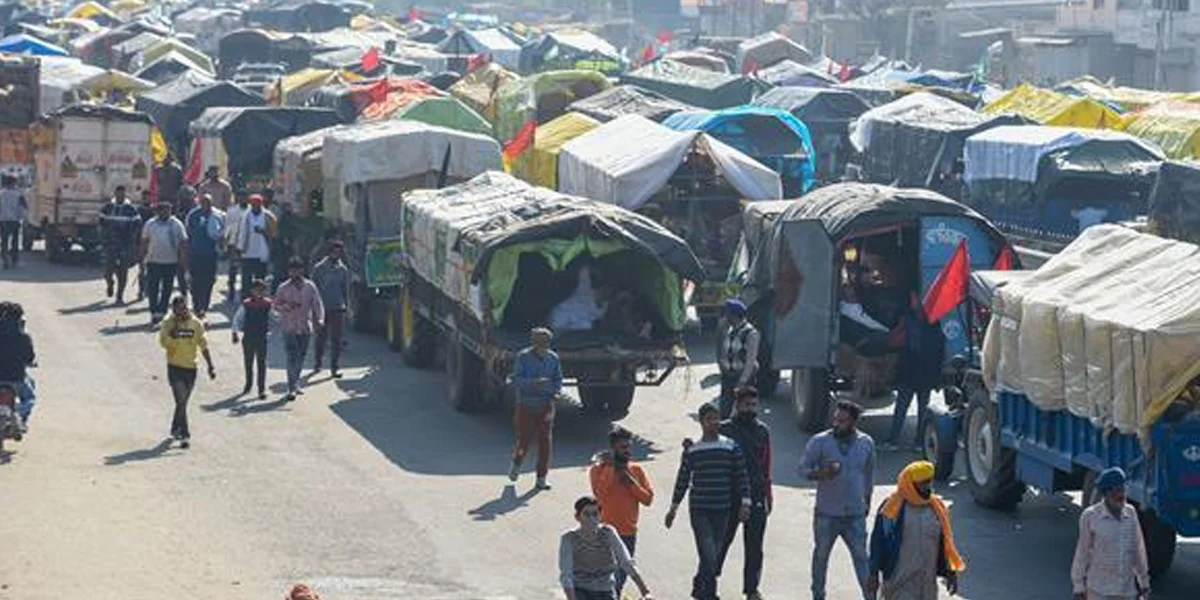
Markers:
point(531, 422)
point(331, 332)
point(904, 398)
point(295, 346)
point(10, 248)
point(254, 350)
point(204, 276)
point(708, 529)
point(182, 382)
point(753, 532)
point(252, 269)
point(826, 531)
point(160, 282)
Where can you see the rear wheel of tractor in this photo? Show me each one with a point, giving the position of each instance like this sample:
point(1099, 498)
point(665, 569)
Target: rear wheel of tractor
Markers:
point(991, 468)
point(810, 397)
point(464, 378)
point(1160, 542)
point(937, 450)
point(613, 401)
point(417, 336)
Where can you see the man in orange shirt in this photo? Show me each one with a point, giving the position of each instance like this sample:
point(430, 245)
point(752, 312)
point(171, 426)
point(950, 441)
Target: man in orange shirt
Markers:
point(621, 487)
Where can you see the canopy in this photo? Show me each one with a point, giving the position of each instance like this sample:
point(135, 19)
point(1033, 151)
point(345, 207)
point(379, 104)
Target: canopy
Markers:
point(700, 59)
point(492, 42)
point(91, 10)
point(693, 86)
point(628, 160)
point(23, 43)
point(444, 111)
point(481, 87)
point(1114, 302)
point(815, 105)
point(1016, 152)
point(768, 49)
point(788, 72)
point(249, 134)
point(1173, 125)
point(167, 66)
point(1175, 201)
point(627, 100)
point(396, 150)
point(1120, 97)
point(563, 49)
point(1052, 108)
point(542, 167)
point(115, 80)
point(166, 46)
point(543, 97)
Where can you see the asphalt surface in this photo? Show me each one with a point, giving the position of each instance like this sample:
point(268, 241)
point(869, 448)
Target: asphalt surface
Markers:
point(371, 487)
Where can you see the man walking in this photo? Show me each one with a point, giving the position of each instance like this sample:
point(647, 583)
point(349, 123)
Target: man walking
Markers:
point(754, 438)
point(183, 337)
point(253, 320)
point(120, 224)
point(918, 372)
point(537, 377)
point(13, 210)
point(255, 233)
point(622, 488)
point(1110, 558)
point(842, 462)
point(714, 471)
point(205, 228)
point(298, 303)
point(216, 188)
point(164, 246)
point(333, 280)
point(233, 223)
point(738, 356)
point(912, 543)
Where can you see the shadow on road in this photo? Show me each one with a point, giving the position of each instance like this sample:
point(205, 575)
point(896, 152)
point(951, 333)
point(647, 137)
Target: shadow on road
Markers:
point(156, 451)
point(247, 408)
point(96, 306)
point(131, 327)
point(508, 502)
point(35, 269)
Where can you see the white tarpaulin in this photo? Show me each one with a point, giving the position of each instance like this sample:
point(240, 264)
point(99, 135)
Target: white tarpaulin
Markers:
point(1012, 152)
point(912, 108)
point(1108, 329)
point(628, 160)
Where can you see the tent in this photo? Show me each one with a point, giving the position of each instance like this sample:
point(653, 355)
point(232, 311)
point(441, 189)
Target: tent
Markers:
point(241, 140)
point(629, 160)
point(480, 88)
point(627, 100)
point(693, 86)
point(93, 11)
point(168, 66)
point(771, 136)
point(1175, 126)
point(542, 98)
point(828, 113)
point(491, 42)
point(1047, 107)
point(768, 49)
point(23, 43)
point(166, 46)
point(113, 80)
point(298, 87)
point(1175, 201)
point(1120, 98)
point(570, 49)
point(542, 166)
point(709, 61)
point(443, 111)
point(175, 105)
point(787, 72)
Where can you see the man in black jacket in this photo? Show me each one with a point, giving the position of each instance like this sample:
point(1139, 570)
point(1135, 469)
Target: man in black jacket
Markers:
point(16, 354)
point(754, 438)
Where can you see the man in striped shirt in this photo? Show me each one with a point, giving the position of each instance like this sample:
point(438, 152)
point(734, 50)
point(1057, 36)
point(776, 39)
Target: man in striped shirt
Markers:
point(715, 472)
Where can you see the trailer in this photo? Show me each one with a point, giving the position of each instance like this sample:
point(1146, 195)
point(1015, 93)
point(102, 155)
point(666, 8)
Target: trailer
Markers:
point(1090, 362)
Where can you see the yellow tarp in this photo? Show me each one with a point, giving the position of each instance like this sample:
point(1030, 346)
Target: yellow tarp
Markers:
point(112, 79)
point(158, 147)
point(160, 48)
point(480, 89)
point(1048, 107)
point(1127, 98)
point(1174, 126)
point(88, 10)
point(127, 6)
point(296, 85)
point(542, 166)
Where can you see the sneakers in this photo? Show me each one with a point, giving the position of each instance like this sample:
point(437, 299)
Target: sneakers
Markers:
point(515, 471)
point(754, 596)
point(336, 374)
point(290, 397)
point(262, 395)
point(541, 484)
point(108, 288)
point(185, 443)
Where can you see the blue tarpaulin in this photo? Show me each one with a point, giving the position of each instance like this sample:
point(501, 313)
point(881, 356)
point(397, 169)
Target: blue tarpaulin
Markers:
point(23, 43)
point(771, 136)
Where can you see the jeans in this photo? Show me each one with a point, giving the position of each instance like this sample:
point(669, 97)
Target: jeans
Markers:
point(254, 349)
point(252, 269)
point(903, 400)
point(753, 532)
point(116, 267)
point(708, 527)
point(728, 383)
point(826, 531)
point(10, 248)
point(182, 382)
point(630, 542)
point(160, 281)
point(530, 422)
point(331, 331)
point(582, 594)
point(25, 397)
point(232, 279)
point(296, 347)
point(204, 276)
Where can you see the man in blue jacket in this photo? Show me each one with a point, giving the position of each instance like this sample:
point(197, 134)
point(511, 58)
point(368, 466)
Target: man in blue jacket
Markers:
point(538, 379)
point(205, 229)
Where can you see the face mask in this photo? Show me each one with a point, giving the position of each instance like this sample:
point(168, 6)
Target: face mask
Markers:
point(747, 415)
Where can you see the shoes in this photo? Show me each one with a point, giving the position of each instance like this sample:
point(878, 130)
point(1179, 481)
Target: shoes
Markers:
point(290, 397)
point(336, 374)
point(262, 395)
point(754, 596)
point(185, 443)
point(541, 484)
point(298, 392)
point(316, 370)
point(108, 287)
point(120, 300)
point(515, 471)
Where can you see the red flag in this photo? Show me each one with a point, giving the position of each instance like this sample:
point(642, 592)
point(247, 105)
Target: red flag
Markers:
point(413, 14)
point(1005, 261)
point(476, 61)
point(665, 37)
point(519, 143)
point(195, 168)
point(950, 287)
point(370, 60)
point(844, 74)
point(649, 53)
point(378, 92)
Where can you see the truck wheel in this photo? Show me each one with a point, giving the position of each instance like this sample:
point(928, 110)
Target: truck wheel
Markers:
point(417, 337)
point(465, 384)
point(991, 468)
point(937, 449)
point(810, 397)
point(1160, 542)
point(611, 400)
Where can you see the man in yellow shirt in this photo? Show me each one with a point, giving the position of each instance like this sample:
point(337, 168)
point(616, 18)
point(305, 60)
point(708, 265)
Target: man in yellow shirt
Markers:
point(183, 337)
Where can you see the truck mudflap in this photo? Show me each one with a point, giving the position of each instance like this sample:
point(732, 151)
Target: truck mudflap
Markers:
point(1177, 494)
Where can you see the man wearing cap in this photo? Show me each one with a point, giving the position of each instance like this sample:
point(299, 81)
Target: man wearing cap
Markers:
point(912, 543)
point(333, 280)
point(218, 189)
point(257, 229)
point(205, 228)
point(738, 354)
point(1110, 557)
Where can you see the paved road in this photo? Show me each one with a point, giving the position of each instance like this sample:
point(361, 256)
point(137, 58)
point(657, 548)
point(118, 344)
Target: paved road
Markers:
point(371, 487)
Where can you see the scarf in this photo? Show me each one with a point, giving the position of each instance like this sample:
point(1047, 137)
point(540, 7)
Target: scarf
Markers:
point(906, 493)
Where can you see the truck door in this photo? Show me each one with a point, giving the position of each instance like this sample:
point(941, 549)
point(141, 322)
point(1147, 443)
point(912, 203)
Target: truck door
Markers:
point(805, 324)
point(127, 158)
point(940, 237)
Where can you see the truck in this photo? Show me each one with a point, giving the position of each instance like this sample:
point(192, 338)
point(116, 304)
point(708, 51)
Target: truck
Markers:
point(82, 153)
point(486, 260)
point(20, 93)
point(1090, 362)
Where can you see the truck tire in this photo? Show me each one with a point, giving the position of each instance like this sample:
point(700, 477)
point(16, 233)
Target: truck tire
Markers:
point(991, 468)
point(810, 397)
point(613, 401)
point(1160, 542)
point(937, 449)
point(416, 338)
point(465, 385)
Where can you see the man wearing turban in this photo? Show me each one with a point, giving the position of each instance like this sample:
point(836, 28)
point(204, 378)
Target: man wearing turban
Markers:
point(1110, 557)
point(913, 542)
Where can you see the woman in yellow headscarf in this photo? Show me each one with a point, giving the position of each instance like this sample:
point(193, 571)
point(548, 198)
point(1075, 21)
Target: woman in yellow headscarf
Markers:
point(913, 542)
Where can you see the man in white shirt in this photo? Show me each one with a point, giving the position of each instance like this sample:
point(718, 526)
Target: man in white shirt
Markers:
point(13, 208)
point(258, 228)
point(1110, 557)
point(164, 246)
point(233, 222)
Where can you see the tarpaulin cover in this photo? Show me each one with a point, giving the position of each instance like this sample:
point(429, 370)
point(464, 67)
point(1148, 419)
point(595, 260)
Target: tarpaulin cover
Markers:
point(628, 160)
point(59, 75)
point(543, 97)
point(701, 60)
point(769, 48)
point(91, 10)
point(696, 87)
point(249, 134)
point(23, 43)
point(176, 104)
point(492, 42)
point(815, 105)
point(1106, 329)
point(165, 46)
point(115, 80)
point(298, 87)
point(627, 100)
point(1123, 98)
point(1048, 107)
point(1174, 126)
point(542, 166)
point(444, 111)
point(168, 66)
point(1015, 152)
point(480, 89)
point(788, 72)
point(290, 154)
point(563, 48)
point(1175, 201)
point(467, 238)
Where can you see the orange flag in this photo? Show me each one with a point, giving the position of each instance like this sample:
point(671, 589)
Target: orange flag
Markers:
point(519, 143)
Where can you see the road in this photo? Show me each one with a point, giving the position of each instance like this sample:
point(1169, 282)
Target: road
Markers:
point(371, 488)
